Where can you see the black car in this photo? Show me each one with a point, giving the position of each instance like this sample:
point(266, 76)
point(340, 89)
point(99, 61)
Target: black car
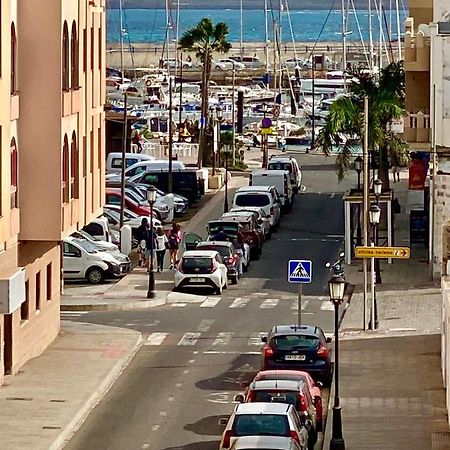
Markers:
point(229, 256)
point(295, 347)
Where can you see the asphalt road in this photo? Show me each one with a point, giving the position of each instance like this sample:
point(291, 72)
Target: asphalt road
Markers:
point(197, 356)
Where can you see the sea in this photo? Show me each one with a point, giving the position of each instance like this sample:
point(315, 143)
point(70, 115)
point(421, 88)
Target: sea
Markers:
point(149, 25)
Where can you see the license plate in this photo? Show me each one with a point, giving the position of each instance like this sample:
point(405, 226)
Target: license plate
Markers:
point(295, 357)
point(198, 280)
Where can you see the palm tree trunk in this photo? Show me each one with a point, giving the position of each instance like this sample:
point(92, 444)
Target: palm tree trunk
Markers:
point(204, 109)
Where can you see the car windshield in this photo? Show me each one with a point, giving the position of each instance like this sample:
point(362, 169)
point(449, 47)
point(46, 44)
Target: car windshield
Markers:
point(289, 397)
point(280, 166)
point(252, 200)
point(224, 251)
point(197, 262)
point(290, 341)
point(114, 214)
point(86, 245)
point(260, 425)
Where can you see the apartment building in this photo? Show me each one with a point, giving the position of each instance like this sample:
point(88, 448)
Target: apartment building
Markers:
point(52, 89)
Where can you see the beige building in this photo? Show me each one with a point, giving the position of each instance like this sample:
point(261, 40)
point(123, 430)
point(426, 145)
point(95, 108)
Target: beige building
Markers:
point(52, 91)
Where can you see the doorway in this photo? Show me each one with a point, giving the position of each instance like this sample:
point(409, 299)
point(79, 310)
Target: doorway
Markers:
point(7, 344)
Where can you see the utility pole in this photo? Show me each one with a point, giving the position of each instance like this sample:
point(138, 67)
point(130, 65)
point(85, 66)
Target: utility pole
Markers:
point(365, 201)
point(233, 112)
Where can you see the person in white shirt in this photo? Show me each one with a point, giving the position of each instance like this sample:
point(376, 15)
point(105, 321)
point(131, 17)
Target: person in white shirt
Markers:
point(161, 245)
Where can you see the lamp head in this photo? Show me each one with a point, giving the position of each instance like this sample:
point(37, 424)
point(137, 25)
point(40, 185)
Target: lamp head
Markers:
point(358, 163)
point(219, 113)
point(374, 214)
point(151, 194)
point(377, 187)
point(336, 286)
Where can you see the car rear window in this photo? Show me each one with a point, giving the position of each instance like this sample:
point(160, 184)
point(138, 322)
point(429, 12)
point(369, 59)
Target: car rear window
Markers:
point(275, 397)
point(224, 251)
point(261, 424)
point(197, 262)
point(280, 166)
point(252, 200)
point(290, 341)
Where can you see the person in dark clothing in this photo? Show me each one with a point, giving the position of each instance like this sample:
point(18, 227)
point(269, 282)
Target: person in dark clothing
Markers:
point(150, 247)
point(141, 233)
point(220, 235)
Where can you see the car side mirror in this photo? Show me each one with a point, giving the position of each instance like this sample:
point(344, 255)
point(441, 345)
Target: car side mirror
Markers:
point(328, 340)
point(223, 421)
point(264, 339)
point(239, 398)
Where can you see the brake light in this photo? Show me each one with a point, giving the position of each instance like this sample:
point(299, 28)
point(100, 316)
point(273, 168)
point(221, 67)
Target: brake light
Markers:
point(227, 439)
point(268, 352)
point(232, 259)
point(294, 435)
point(323, 352)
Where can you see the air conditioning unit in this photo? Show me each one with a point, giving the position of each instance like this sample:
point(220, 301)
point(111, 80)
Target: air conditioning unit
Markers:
point(12, 291)
point(443, 27)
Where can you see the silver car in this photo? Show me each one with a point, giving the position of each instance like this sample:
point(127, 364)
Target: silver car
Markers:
point(265, 442)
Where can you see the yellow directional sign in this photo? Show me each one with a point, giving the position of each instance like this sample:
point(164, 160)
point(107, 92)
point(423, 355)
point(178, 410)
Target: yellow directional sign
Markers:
point(383, 252)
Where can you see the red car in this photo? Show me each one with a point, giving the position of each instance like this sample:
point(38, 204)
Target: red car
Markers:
point(297, 375)
point(113, 197)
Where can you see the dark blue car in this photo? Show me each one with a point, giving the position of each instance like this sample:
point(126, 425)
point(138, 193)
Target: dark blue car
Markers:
point(295, 347)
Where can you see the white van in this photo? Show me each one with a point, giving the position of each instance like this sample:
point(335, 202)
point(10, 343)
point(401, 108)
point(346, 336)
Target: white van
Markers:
point(114, 160)
point(99, 229)
point(144, 166)
point(278, 178)
point(81, 260)
point(291, 165)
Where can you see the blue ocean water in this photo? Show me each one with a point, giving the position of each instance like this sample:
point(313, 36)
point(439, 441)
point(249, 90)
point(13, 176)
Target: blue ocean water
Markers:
point(149, 25)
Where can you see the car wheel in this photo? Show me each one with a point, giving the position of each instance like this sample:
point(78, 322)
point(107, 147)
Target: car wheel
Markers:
point(328, 379)
point(95, 275)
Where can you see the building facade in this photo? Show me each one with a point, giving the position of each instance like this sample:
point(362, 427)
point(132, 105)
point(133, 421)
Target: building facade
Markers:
point(52, 89)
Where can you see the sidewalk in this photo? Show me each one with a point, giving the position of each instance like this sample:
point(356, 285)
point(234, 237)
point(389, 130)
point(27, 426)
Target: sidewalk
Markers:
point(53, 393)
point(391, 389)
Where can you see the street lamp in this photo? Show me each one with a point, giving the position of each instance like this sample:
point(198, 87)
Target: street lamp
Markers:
point(336, 286)
point(264, 138)
point(377, 188)
point(225, 201)
point(264, 109)
point(374, 218)
point(219, 117)
point(358, 167)
point(151, 197)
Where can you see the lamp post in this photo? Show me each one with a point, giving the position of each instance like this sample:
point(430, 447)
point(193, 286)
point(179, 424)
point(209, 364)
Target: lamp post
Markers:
point(264, 138)
point(358, 167)
point(374, 218)
point(336, 286)
point(377, 188)
point(225, 201)
point(219, 118)
point(151, 197)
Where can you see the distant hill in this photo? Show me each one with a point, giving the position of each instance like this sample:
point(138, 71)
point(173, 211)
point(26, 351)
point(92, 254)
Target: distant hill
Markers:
point(232, 4)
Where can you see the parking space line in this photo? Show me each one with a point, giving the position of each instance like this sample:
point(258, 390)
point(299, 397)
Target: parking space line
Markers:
point(156, 338)
point(189, 338)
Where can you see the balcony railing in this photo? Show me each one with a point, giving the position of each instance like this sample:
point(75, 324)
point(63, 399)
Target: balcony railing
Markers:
point(417, 127)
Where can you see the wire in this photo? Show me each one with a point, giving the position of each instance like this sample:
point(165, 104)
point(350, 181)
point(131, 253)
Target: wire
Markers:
point(323, 27)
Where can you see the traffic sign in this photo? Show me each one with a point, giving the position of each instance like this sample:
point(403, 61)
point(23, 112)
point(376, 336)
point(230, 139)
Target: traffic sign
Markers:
point(383, 252)
point(299, 271)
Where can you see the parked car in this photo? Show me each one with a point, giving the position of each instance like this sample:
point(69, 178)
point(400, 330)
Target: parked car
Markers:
point(250, 62)
point(264, 419)
point(302, 347)
point(112, 213)
point(229, 256)
point(81, 260)
point(265, 197)
point(278, 178)
point(295, 393)
point(297, 375)
point(100, 230)
point(291, 165)
point(261, 217)
point(265, 443)
point(143, 166)
point(201, 268)
point(114, 160)
point(228, 64)
point(112, 196)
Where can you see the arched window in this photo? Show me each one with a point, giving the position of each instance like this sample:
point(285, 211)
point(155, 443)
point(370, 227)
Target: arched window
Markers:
point(14, 174)
point(65, 59)
point(74, 57)
point(74, 167)
point(65, 171)
point(13, 60)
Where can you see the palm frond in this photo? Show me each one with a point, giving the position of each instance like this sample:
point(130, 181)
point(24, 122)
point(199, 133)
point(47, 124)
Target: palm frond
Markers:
point(344, 160)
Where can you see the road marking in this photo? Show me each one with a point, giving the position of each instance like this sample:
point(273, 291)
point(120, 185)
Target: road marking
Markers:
point(205, 325)
point(171, 399)
point(74, 313)
point(178, 385)
point(156, 338)
point(155, 427)
point(191, 361)
point(189, 338)
point(327, 306)
point(178, 305)
point(185, 371)
point(239, 302)
point(223, 338)
point(163, 413)
point(145, 446)
point(229, 352)
point(210, 302)
point(255, 338)
point(294, 305)
point(269, 303)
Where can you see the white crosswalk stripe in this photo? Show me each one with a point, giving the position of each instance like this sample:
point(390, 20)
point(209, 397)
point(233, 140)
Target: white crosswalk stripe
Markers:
point(269, 303)
point(255, 338)
point(210, 302)
point(223, 338)
point(155, 339)
point(189, 338)
point(294, 305)
point(240, 302)
point(72, 314)
point(205, 325)
point(326, 306)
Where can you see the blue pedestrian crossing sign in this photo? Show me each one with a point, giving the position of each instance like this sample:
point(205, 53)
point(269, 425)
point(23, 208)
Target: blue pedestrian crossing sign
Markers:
point(299, 271)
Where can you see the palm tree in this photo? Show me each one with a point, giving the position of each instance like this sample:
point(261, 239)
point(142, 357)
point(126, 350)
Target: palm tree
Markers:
point(204, 39)
point(345, 123)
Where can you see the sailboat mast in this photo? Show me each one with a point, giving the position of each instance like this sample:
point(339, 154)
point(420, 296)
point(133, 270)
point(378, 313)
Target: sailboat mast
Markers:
point(279, 46)
point(344, 42)
point(370, 35)
point(380, 49)
point(176, 37)
point(266, 35)
point(242, 31)
point(167, 36)
point(121, 37)
point(399, 39)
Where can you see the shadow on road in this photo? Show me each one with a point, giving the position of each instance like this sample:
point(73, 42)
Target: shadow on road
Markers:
point(207, 426)
point(207, 445)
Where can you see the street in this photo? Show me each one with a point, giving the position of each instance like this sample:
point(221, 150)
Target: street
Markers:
point(197, 356)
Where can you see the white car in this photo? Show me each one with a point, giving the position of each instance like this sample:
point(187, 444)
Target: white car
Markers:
point(291, 165)
point(264, 419)
point(261, 217)
point(265, 443)
point(201, 268)
point(112, 213)
point(227, 64)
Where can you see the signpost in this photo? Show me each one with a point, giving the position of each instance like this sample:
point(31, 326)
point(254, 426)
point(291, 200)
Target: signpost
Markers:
point(299, 272)
point(383, 252)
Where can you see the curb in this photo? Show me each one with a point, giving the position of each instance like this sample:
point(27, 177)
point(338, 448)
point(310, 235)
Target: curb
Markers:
point(95, 398)
point(133, 305)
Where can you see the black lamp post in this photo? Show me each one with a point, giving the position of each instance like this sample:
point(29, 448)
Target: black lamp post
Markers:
point(336, 286)
point(151, 197)
point(358, 167)
point(219, 118)
point(374, 219)
point(225, 201)
point(264, 140)
point(377, 188)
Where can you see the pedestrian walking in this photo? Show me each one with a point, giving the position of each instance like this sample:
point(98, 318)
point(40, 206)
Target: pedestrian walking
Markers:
point(150, 247)
point(174, 240)
point(395, 166)
point(161, 244)
point(141, 234)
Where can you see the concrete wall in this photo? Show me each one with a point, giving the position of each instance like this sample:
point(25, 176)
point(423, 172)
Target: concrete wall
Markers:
point(441, 238)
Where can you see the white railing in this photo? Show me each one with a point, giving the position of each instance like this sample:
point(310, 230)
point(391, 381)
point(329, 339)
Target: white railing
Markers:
point(161, 151)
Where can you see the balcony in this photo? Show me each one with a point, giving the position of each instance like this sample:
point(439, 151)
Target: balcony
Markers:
point(417, 52)
point(417, 128)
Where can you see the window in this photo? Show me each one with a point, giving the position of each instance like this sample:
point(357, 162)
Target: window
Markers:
point(74, 57)
point(65, 59)
point(92, 153)
point(25, 306)
point(85, 156)
point(70, 250)
point(94, 229)
point(84, 50)
point(14, 175)
point(13, 60)
point(74, 168)
point(100, 50)
point(49, 282)
point(38, 291)
point(99, 148)
point(112, 199)
point(92, 48)
point(65, 171)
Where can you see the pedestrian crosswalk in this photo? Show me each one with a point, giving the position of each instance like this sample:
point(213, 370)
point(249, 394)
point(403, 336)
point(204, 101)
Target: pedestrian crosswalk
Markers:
point(71, 315)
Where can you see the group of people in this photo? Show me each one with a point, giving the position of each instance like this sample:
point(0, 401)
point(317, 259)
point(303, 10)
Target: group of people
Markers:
point(154, 242)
